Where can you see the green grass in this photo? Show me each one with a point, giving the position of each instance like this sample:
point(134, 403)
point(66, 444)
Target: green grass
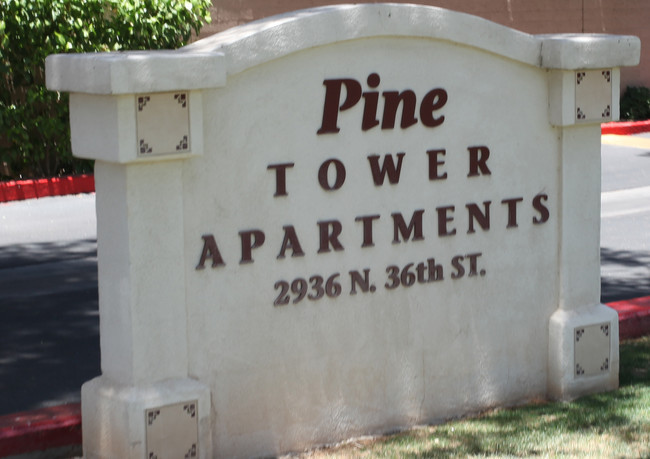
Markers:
point(613, 424)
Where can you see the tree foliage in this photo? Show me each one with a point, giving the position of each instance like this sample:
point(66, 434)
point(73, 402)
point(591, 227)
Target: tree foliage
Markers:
point(635, 103)
point(34, 126)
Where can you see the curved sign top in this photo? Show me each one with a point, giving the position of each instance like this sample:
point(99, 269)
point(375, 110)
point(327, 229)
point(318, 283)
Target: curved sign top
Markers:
point(206, 62)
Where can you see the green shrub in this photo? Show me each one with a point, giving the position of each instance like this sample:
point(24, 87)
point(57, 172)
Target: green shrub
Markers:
point(635, 103)
point(34, 126)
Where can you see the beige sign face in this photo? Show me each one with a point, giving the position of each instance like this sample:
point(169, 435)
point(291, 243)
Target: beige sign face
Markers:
point(372, 230)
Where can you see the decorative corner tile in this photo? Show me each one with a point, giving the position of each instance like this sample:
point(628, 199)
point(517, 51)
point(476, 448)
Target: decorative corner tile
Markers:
point(591, 350)
point(172, 431)
point(163, 123)
point(593, 92)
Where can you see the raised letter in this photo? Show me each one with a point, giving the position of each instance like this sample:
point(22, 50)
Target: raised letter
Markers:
point(478, 157)
point(474, 213)
point(399, 227)
point(210, 250)
point(443, 219)
point(250, 240)
point(329, 238)
point(512, 211)
point(435, 271)
point(388, 167)
point(392, 101)
point(432, 101)
point(367, 229)
point(371, 99)
point(332, 97)
point(541, 208)
point(473, 265)
point(280, 178)
point(434, 162)
point(290, 241)
point(340, 174)
point(457, 262)
point(362, 282)
point(421, 269)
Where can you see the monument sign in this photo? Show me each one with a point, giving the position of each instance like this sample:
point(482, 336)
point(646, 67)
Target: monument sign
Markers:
point(342, 221)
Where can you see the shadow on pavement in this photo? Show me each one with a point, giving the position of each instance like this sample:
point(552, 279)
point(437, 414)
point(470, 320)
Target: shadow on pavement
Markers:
point(17, 255)
point(49, 333)
point(624, 274)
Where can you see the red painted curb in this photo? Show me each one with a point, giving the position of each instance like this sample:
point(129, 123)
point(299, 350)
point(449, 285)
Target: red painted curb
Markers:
point(40, 188)
point(625, 127)
point(633, 317)
point(40, 430)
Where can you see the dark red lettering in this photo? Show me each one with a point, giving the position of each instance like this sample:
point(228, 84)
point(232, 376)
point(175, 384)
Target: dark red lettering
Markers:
point(432, 101)
point(541, 208)
point(371, 99)
point(457, 262)
point(323, 170)
point(329, 238)
point(512, 211)
point(434, 162)
point(387, 168)
point(362, 282)
point(443, 219)
point(473, 264)
point(210, 250)
point(335, 103)
point(414, 227)
point(290, 241)
point(393, 99)
point(367, 229)
point(475, 214)
point(250, 240)
point(280, 177)
point(478, 157)
point(420, 269)
point(331, 106)
point(435, 271)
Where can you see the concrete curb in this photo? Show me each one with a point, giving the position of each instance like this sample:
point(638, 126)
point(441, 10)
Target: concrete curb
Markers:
point(18, 190)
point(32, 432)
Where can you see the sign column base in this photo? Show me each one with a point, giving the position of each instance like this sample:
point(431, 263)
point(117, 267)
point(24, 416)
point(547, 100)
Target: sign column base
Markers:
point(167, 417)
point(583, 352)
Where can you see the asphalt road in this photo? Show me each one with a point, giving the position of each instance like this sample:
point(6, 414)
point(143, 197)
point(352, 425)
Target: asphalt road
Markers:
point(49, 338)
point(49, 327)
point(625, 217)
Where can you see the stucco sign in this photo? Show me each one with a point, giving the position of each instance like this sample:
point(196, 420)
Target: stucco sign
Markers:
point(342, 221)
